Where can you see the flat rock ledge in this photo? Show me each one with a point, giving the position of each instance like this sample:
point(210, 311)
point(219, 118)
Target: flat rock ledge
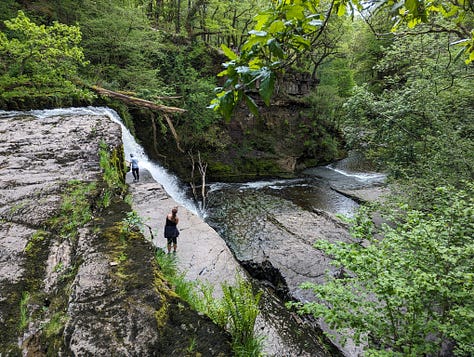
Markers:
point(92, 291)
point(204, 256)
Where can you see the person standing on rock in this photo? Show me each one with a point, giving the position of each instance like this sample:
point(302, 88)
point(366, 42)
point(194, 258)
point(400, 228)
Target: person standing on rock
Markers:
point(171, 229)
point(135, 170)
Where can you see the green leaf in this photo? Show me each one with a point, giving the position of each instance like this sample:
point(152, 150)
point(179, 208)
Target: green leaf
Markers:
point(258, 33)
point(411, 5)
point(341, 9)
point(301, 42)
point(251, 105)
point(315, 22)
point(228, 52)
point(275, 48)
point(276, 26)
point(295, 12)
point(227, 104)
point(267, 85)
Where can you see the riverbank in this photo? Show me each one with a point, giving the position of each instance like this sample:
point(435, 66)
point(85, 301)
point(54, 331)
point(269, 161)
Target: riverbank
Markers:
point(74, 281)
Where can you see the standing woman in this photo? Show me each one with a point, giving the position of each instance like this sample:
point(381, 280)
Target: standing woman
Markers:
point(171, 229)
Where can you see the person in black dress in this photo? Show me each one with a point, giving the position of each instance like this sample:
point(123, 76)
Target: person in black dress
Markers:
point(171, 229)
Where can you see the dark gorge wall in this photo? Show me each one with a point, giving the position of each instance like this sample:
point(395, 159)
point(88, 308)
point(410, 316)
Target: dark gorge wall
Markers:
point(75, 277)
point(287, 137)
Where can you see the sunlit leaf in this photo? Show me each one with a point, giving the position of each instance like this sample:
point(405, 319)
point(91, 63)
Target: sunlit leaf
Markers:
point(295, 12)
point(276, 26)
point(315, 22)
point(261, 20)
point(341, 10)
point(258, 33)
point(228, 52)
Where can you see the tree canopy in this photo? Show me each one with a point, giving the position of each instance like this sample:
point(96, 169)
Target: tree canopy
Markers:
point(410, 293)
point(289, 29)
point(35, 56)
point(398, 91)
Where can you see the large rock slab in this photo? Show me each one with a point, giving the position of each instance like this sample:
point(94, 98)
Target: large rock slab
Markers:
point(204, 256)
point(97, 291)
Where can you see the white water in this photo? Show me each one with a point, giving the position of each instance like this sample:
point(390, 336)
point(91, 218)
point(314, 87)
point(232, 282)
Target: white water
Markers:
point(361, 176)
point(170, 183)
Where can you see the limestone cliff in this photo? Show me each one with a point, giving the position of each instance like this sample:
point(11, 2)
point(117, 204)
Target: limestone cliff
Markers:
point(75, 277)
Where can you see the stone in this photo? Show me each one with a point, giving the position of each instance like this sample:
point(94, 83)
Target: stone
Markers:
point(87, 293)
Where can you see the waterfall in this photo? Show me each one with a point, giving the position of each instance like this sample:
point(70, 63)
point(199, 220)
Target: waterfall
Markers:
point(170, 183)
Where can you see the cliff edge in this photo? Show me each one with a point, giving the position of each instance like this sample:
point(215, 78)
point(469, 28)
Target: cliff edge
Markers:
point(75, 277)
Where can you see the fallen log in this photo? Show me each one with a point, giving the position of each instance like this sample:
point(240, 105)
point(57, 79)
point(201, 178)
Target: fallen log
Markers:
point(147, 104)
point(137, 101)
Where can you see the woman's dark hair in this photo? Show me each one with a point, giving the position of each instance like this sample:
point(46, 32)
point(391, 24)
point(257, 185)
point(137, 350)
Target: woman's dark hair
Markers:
point(173, 213)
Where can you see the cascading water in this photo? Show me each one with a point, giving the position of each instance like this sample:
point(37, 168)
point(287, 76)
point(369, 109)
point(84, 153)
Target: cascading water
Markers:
point(170, 182)
point(258, 218)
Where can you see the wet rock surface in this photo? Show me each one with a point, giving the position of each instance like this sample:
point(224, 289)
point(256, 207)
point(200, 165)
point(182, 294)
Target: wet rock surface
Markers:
point(201, 254)
point(204, 256)
point(274, 239)
point(88, 290)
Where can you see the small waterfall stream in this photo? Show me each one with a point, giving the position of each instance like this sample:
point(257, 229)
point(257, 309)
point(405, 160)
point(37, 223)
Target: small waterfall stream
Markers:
point(232, 208)
point(171, 183)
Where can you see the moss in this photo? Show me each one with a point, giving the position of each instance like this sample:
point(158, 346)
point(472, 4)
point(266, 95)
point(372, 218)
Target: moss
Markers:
point(55, 325)
point(75, 209)
point(24, 98)
point(112, 163)
point(161, 316)
point(35, 242)
point(217, 168)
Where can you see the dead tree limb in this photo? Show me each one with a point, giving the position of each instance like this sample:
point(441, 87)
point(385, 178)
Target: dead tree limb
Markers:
point(147, 104)
point(137, 101)
point(173, 131)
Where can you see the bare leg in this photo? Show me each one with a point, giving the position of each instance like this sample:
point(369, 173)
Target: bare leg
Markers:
point(175, 246)
point(169, 248)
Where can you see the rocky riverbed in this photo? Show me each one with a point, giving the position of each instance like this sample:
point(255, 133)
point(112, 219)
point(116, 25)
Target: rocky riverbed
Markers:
point(204, 256)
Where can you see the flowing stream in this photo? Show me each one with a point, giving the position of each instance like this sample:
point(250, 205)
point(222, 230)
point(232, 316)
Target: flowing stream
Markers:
point(237, 209)
point(171, 183)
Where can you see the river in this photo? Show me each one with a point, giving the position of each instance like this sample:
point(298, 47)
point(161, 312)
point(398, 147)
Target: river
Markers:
point(270, 224)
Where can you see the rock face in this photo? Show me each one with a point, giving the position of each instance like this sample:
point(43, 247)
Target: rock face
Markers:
point(284, 139)
point(74, 280)
point(204, 256)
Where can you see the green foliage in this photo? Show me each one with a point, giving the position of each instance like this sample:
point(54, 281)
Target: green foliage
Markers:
point(241, 307)
point(287, 30)
point(111, 162)
point(55, 324)
point(8, 10)
point(236, 311)
point(121, 48)
point(38, 57)
point(410, 291)
point(420, 128)
point(24, 317)
point(132, 222)
point(75, 209)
